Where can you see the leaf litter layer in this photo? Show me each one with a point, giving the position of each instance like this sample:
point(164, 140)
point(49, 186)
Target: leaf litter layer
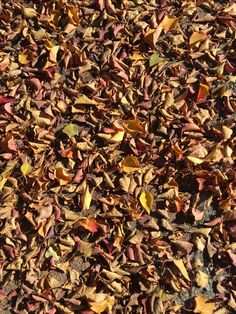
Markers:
point(117, 152)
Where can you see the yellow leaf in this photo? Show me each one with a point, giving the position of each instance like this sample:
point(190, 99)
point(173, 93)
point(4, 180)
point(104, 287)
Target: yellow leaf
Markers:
point(130, 164)
point(227, 132)
point(152, 36)
point(137, 57)
point(53, 54)
point(84, 100)
point(195, 160)
point(202, 306)
point(215, 156)
point(169, 23)
point(29, 12)
point(201, 279)
point(197, 37)
point(101, 302)
point(86, 199)
point(26, 168)
point(71, 130)
point(25, 56)
point(6, 173)
point(146, 199)
point(134, 126)
point(118, 137)
point(180, 265)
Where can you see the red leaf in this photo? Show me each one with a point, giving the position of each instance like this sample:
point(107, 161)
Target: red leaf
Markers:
point(90, 224)
point(5, 100)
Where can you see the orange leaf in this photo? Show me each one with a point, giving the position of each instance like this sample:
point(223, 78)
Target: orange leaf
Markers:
point(197, 37)
point(134, 126)
point(90, 224)
point(202, 92)
point(169, 23)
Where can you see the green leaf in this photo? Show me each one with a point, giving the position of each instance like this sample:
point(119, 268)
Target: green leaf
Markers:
point(71, 130)
point(155, 59)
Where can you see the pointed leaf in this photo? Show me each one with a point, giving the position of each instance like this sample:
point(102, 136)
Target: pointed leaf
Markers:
point(146, 199)
point(71, 130)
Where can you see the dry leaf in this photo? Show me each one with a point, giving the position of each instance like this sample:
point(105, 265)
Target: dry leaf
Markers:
point(86, 199)
point(180, 265)
point(169, 23)
point(29, 12)
point(146, 199)
point(197, 37)
point(201, 279)
point(202, 306)
point(71, 130)
point(202, 92)
point(26, 168)
point(152, 36)
point(130, 164)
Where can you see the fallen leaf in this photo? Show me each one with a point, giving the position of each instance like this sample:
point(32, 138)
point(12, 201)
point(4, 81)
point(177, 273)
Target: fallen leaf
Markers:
point(86, 199)
point(25, 56)
point(201, 279)
point(26, 168)
point(202, 92)
point(195, 160)
point(29, 12)
point(89, 224)
point(169, 23)
point(130, 164)
point(146, 199)
point(61, 175)
point(180, 265)
point(155, 59)
point(202, 306)
point(152, 36)
point(134, 126)
point(197, 37)
point(71, 130)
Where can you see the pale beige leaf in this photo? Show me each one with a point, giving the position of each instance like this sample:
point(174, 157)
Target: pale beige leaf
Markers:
point(180, 265)
point(86, 199)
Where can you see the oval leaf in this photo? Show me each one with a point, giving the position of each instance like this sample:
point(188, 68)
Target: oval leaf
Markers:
point(146, 199)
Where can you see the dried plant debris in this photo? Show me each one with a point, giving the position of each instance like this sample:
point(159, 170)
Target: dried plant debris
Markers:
point(117, 156)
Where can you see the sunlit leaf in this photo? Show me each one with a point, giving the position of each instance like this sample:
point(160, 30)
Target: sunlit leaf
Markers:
point(29, 12)
point(71, 130)
point(180, 265)
point(202, 306)
point(26, 168)
point(86, 199)
point(169, 23)
point(134, 126)
point(146, 199)
point(130, 164)
point(202, 92)
point(152, 36)
point(25, 56)
point(201, 279)
point(197, 37)
point(155, 59)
